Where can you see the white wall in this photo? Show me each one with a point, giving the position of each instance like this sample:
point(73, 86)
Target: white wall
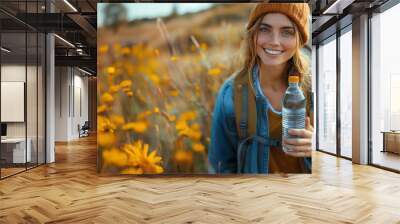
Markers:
point(71, 93)
point(16, 73)
point(13, 73)
point(33, 126)
point(61, 103)
point(80, 115)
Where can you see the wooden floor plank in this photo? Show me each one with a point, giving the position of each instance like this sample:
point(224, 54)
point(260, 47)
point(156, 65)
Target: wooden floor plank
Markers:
point(70, 191)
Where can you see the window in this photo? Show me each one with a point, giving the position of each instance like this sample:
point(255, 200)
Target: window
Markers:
point(385, 88)
point(327, 97)
point(346, 94)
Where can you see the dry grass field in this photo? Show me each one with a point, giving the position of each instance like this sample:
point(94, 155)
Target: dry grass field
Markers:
point(156, 85)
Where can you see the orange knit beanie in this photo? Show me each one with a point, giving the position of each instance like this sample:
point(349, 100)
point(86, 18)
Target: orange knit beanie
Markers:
point(298, 12)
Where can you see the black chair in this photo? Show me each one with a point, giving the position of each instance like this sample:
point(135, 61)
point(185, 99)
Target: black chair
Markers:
point(84, 130)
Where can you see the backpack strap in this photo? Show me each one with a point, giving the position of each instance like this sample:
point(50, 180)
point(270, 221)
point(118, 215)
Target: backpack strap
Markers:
point(244, 113)
point(245, 116)
point(245, 106)
point(241, 152)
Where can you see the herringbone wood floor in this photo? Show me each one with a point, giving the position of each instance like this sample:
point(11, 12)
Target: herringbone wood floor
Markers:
point(70, 191)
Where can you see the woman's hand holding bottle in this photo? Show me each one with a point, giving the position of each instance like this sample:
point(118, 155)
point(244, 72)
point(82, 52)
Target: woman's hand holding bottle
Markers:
point(301, 146)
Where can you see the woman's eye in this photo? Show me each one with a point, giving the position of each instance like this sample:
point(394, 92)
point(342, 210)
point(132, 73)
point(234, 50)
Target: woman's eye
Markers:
point(263, 29)
point(288, 33)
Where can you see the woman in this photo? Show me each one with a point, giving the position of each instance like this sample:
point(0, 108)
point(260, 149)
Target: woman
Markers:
point(246, 131)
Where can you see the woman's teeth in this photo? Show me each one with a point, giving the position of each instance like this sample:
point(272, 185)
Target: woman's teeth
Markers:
point(273, 52)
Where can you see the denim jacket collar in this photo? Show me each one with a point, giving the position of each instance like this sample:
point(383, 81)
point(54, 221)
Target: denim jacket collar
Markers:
point(260, 97)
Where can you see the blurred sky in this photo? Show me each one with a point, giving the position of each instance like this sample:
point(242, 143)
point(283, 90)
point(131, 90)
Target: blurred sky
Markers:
point(151, 10)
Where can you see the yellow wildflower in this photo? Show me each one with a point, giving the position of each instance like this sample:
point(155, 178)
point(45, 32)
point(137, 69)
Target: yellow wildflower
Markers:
point(104, 124)
point(126, 83)
point(181, 125)
point(183, 156)
point(130, 93)
point(195, 126)
point(203, 46)
point(174, 58)
point(153, 64)
point(125, 50)
point(174, 93)
point(103, 49)
point(156, 110)
point(111, 70)
point(183, 128)
point(214, 71)
point(114, 89)
point(106, 139)
point(190, 115)
point(144, 114)
point(107, 98)
point(171, 118)
point(139, 157)
point(154, 78)
point(194, 135)
point(117, 119)
point(198, 147)
point(114, 157)
point(138, 51)
point(138, 127)
point(101, 108)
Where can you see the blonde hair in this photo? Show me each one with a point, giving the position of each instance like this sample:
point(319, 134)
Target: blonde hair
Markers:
point(298, 64)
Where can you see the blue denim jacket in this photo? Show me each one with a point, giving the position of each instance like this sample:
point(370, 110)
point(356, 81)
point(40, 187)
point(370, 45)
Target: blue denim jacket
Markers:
point(223, 150)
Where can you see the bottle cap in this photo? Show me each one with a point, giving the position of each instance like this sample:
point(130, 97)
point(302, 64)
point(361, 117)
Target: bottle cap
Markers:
point(293, 79)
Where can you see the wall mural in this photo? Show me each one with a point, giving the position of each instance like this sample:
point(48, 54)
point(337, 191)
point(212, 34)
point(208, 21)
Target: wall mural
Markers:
point(161, 70)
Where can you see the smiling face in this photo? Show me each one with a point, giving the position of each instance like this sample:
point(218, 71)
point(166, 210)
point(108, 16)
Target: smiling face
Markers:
point(276, 39)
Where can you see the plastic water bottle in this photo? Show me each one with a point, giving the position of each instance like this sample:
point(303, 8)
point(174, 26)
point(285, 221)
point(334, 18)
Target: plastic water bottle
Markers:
point(293, 108)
